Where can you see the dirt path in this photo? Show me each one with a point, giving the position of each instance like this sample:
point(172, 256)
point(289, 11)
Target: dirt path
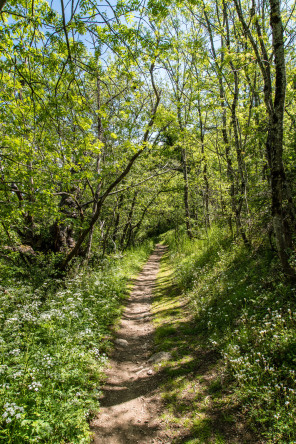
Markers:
point(130, 408)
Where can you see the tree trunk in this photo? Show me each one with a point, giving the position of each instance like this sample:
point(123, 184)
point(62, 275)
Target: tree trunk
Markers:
point(238, 199)
point(186, 192)
point(275, 107)
point(205, 170)
point(2, 4)
point(274, 144)
point(117, 218)
point(98, 168)
point(185, 176)
point(128, 224)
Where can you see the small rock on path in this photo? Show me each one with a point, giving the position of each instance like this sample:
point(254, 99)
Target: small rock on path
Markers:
point(161, 356)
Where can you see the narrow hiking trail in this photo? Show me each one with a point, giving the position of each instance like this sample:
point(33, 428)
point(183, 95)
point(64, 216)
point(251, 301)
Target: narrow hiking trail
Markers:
point(130, 407)
point(183, 398)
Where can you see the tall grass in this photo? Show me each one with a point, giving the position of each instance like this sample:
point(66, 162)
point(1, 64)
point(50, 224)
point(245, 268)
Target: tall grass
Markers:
point(54, 343)
point(244, 308)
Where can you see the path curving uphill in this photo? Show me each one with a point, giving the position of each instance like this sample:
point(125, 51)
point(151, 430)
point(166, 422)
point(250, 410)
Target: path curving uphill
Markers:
point(130, 407)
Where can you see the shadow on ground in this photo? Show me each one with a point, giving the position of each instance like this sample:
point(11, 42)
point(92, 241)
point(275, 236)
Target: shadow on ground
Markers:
point(195, 392)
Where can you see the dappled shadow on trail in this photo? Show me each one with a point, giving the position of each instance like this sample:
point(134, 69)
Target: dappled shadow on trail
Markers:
point(130, 405)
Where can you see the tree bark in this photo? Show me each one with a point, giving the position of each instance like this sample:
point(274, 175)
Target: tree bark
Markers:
point(205, 170)
point(185, 175)
point(128, 224)
point(98, 168)
point(2, 4)
point(238, 199)
point(186, 192)
point(117, 218)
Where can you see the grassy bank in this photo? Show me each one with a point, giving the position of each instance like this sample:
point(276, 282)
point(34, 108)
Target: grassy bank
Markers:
point(236, 338)
point(53, 346)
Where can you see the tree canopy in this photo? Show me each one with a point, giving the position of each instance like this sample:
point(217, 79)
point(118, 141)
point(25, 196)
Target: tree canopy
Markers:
point(122, 120)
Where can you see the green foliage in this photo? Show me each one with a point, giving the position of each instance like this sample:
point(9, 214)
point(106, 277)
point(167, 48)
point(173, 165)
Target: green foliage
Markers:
point(245, 311)
point(54, 343)
point(162, 120)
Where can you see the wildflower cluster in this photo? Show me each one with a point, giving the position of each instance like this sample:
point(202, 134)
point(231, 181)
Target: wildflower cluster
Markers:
point(262, 359)
point(11, 412)
point(54, 345)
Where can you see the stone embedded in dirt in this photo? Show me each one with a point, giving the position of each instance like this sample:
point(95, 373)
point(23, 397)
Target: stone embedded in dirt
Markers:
point(161, 356)
point(122, 342)
point(150, 372)
point(143, 316)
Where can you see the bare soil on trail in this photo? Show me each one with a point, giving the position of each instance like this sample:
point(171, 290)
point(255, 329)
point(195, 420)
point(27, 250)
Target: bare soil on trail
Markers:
point(186, 397)
point(131, 407)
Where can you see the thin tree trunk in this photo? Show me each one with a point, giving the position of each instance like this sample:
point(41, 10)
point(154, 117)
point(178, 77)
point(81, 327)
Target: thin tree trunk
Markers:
point(185, 177)
point(238, 199)
point(117, 217)
point(205, 170)
point(186, 192)
point(105, 239)
point(98, 168)
point(2, 4)
point(230, 172)
point(129, 221)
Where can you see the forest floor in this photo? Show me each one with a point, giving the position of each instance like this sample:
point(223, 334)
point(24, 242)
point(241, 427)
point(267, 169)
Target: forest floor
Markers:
point(163, 385)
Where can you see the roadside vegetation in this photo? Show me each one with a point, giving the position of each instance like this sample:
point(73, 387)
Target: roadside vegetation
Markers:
point(53, 343)
point(235, 330)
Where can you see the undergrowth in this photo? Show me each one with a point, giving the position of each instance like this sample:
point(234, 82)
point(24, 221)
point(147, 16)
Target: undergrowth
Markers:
point(244, 309)
point(53, 345)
